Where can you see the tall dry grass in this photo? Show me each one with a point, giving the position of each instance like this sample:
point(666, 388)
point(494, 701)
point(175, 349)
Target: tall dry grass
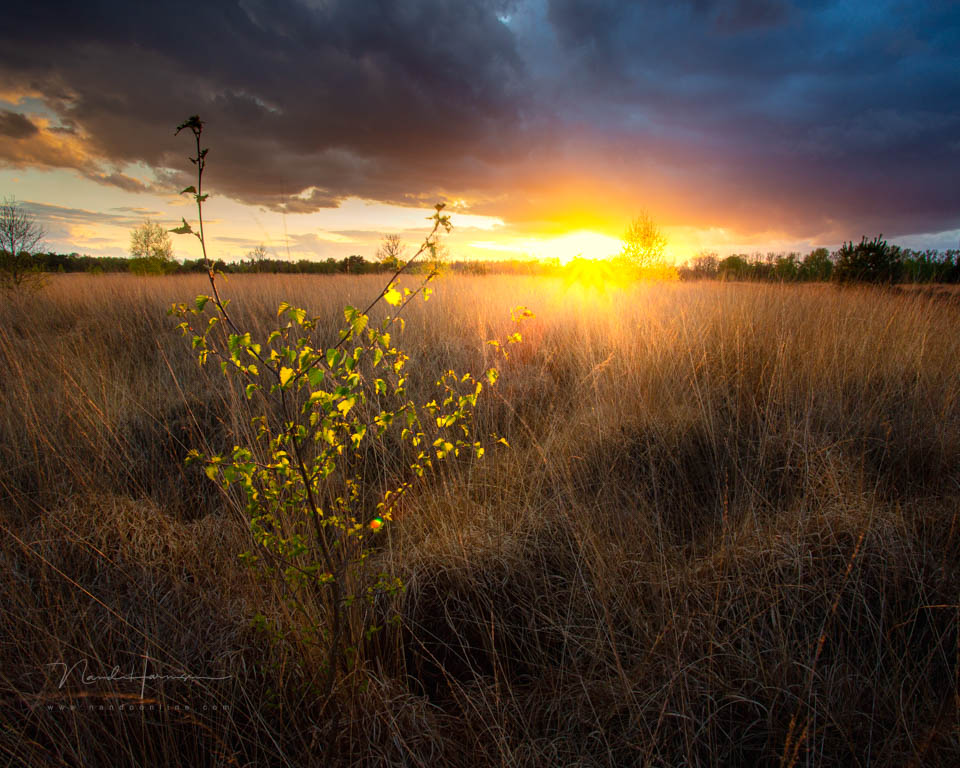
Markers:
point(726, 533)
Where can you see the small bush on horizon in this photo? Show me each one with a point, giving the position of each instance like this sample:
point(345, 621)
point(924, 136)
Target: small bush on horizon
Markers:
point(870, 261)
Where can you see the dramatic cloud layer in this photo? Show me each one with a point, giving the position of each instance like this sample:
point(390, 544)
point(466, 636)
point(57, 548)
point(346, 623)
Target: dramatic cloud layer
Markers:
point(816, 119)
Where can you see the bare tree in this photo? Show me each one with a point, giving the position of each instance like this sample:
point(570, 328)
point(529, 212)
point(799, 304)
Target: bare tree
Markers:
point(705, 264)
point(20, 237)
point(644, 244)
point(391, 252)
point(257, 256)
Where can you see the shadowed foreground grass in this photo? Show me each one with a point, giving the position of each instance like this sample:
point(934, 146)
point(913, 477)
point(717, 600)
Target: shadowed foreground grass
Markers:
point(726, 533)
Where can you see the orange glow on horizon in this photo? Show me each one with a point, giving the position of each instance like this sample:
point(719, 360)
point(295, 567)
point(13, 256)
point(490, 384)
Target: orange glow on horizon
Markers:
point(562, 248)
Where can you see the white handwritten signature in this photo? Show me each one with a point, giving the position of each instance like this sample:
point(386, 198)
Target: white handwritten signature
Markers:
point(115, 675)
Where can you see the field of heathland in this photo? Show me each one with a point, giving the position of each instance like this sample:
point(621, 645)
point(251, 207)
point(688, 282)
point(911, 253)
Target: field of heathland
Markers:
point(724, 530)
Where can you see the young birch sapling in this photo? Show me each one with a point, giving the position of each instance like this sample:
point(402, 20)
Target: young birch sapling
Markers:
point(323, 411)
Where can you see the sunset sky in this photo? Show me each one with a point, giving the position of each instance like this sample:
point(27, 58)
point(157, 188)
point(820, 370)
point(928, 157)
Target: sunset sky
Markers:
point(545, 124)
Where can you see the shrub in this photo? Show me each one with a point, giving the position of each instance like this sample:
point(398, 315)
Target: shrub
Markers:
point(326, 417)
point(871, 261)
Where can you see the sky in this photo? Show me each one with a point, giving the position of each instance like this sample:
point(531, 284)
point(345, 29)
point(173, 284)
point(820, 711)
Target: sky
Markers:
point(545, 125)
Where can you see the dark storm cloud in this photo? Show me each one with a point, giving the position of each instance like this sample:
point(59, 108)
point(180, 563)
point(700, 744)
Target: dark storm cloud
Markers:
point(813, 117)
point(345, 97)
point(16, 126)
point(804, 117)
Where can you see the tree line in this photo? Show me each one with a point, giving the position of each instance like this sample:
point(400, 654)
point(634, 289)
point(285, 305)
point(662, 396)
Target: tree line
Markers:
point(75, 262)
point(869, 261)
point(643, 252)
point(23, 261)
point(873, 261)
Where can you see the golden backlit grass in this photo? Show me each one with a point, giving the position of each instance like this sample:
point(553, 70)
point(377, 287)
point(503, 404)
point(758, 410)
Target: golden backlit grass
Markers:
point(726, 532)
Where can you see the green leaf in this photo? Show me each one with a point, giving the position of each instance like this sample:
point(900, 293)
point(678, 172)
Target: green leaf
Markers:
point(520, 313)
point(319, 396)
point(357, 437)
point(183, 229)
point(443, 447)
point(191, 189)
point(359, 323)
point(201, 302)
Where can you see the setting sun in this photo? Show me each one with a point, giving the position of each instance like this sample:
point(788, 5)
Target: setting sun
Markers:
point(564, 248)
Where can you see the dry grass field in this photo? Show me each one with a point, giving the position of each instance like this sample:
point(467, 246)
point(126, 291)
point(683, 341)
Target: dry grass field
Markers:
point(725, 532)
